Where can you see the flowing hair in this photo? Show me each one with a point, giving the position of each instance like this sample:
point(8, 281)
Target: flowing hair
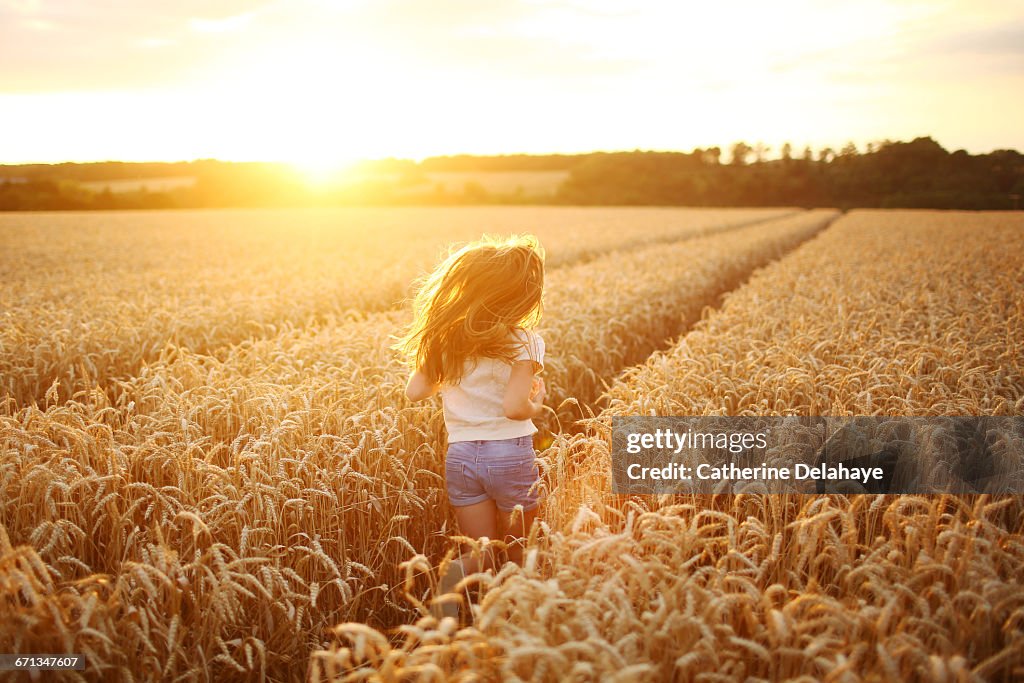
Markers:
point(470, 304)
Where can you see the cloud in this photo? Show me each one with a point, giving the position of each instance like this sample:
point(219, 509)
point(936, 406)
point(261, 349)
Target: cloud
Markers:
point(232, 23)
point(606, 62)
point(20, 6)
point(950, 46)
point(41, 25)
point(974, 54)
point(511, 42)
point(109, 44)
point(992, 40)
point(155, 42)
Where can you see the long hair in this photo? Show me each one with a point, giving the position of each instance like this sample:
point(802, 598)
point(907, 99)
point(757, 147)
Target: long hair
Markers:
point(468, 306)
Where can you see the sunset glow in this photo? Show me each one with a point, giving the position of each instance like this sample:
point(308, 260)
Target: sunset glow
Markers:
point(320, 83)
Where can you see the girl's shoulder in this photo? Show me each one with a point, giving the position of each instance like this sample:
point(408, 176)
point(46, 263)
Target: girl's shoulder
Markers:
point(526, 336)
point(531, 345)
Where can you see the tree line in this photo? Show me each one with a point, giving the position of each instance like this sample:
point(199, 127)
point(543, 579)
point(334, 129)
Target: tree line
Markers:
point(916, 174)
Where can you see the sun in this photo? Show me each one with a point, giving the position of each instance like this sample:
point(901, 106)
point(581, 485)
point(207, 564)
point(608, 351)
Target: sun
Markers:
point(323, 171)
point(300, 104)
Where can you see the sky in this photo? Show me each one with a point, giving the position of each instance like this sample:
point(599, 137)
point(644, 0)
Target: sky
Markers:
point(324, 82)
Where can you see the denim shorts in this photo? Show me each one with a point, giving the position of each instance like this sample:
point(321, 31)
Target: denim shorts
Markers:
point(503, 470)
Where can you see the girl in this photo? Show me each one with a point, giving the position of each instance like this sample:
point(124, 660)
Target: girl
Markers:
point(472, 341)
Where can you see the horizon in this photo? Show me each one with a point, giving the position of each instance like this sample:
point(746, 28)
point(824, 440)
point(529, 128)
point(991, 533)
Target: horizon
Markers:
point(774, 154)
point(323, 84)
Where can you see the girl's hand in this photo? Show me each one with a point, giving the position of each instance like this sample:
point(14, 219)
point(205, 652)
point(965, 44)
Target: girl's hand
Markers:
point(538, 392)
point(524, 395)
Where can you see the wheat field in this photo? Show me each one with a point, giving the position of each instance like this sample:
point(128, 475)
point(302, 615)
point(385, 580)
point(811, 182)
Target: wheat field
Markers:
point(88, 298)
point(209, 470)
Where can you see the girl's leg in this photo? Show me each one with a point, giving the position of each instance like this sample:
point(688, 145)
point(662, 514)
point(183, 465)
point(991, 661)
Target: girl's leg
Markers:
point(513, 527)
point(475, 521)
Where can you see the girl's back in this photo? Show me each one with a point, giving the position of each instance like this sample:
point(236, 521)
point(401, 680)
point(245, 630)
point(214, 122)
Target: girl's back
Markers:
point(474, 406)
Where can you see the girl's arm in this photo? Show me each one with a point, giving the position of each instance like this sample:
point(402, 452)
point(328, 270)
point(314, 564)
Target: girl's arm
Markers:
point(521, 402)
point(419, 387)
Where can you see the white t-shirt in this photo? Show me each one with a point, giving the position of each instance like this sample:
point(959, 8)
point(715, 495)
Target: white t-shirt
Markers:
point(473, 408)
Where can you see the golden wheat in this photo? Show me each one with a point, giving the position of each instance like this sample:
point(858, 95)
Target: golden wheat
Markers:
point(276, 484)
point(88, 298)
point(755, 587)
point(886, 313)
point(213, 512)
